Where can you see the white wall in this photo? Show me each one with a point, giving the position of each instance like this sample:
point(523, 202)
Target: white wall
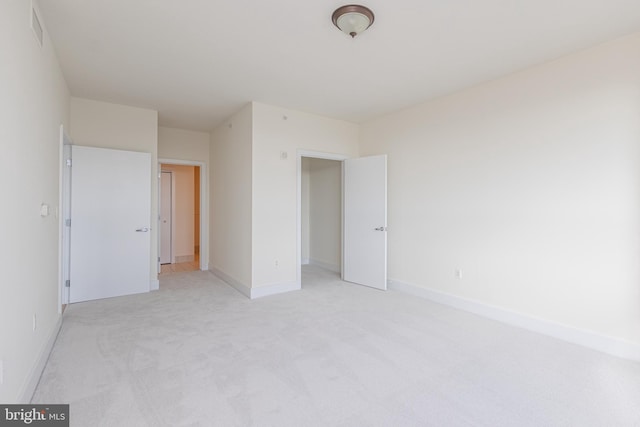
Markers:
point(274, 200)
point(181, 144)
point(531, 185)
point(183, 213)
point(325, 213)
point(120, 127)
point(34, 102)
point(230, 203)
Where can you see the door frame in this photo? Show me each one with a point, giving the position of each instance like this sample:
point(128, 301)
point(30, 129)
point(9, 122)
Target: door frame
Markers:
point(172, 259)
point(314, 155)
point(204, 208)
point(63, 213)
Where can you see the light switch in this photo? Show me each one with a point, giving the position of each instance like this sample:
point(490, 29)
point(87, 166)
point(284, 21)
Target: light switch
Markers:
point(44, 210)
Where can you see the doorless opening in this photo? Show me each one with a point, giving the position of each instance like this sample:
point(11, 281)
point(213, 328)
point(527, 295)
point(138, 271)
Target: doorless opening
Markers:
point(321, 213)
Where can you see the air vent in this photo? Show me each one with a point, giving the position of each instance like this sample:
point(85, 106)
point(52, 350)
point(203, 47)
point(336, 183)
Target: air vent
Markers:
point(36, 26)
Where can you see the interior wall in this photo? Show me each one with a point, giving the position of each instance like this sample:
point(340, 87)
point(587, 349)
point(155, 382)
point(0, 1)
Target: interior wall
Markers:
point(34, 102)
point(181, 144)
point(184, 215)
point(530, 185)
point(325, 213)
point(230, 202)
point(278, 134)
point(120, 127)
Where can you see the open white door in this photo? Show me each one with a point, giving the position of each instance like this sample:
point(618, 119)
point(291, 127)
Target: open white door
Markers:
point(365, 221)
point(110, 214)
point(166, 220)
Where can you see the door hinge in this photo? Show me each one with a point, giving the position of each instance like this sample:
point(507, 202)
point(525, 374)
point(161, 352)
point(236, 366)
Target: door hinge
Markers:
point(67, 283)
point(68, 162)
point(67, 222)
point(158, 259)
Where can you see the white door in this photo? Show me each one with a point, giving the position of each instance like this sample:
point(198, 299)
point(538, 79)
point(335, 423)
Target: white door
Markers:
point(166, 204)
point(110, 223)
point(365, 221)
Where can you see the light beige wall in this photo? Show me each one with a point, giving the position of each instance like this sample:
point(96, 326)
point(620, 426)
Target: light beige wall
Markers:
point(183, 221)
point(276, 131)
point(105, 125)
point(181, 144)
point(325, 213)
point(230, 203)
point(530, 185)
point(33, 104)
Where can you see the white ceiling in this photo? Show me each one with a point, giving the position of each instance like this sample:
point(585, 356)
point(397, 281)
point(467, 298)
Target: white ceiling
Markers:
point(198, 61)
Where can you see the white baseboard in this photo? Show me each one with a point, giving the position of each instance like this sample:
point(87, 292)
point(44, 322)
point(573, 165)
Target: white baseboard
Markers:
point(154, 285)
point(606, 344)
point(259, 291)
point(240, 287)
point(276, 288)
point(327, 266)
point(29, 387)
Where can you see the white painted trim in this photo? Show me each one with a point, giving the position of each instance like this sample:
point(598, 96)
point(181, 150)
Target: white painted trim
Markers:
point(240, 287)
point(29, 387)
point(606, 344)
point(64, 195)
point(154, 285)
point(257, 292)
point(172, 232)
point(305, 261)
point(204, 206)
point(273, 289)
point(317, 155)
point(327, 266)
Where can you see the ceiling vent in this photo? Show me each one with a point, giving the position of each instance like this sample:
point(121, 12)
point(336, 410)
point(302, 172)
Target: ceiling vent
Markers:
point(36, 26)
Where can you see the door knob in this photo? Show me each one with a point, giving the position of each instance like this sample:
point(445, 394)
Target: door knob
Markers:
point(381, 229)
point(142, 230)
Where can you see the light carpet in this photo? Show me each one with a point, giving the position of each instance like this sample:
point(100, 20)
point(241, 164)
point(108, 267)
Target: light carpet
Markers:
point(197, 353)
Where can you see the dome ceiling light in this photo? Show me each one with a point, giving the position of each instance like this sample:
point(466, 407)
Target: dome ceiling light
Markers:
point(352, 19)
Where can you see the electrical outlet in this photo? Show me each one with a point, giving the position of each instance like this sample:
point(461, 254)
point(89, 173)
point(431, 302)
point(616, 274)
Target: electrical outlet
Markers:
point(458, 273)
point(34, 322)
point(277, 264)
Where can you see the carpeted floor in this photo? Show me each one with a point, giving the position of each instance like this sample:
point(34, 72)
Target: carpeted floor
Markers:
point(197, 353)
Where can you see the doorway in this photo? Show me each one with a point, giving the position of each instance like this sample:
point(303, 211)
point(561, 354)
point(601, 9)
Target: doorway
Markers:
point(179, 218)
point(182, 239)
point(363, 218)
point(321, 213)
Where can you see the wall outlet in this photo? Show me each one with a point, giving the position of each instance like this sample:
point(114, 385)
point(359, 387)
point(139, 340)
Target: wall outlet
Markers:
point(458, 273)
point(277, 264)
point(34, 322)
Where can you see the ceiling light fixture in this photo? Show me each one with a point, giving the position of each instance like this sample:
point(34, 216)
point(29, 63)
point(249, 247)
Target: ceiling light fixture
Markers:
point(352, 19)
